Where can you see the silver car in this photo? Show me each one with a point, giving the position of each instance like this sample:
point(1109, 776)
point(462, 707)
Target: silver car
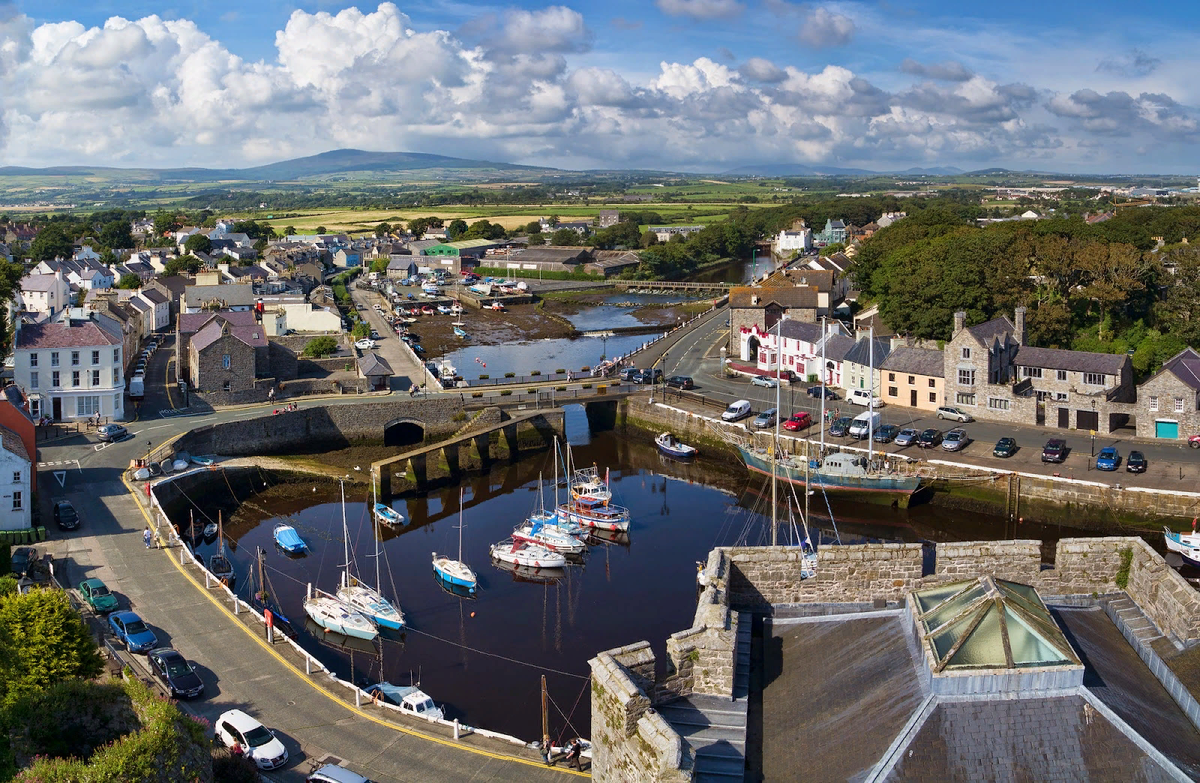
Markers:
point(766, 418)
point(906, 437)
point(954, 414)
point(955, 440)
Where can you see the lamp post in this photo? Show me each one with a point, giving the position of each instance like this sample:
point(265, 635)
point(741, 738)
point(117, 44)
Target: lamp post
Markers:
point(754, 263)
point(1093, 431)
point(149, 447)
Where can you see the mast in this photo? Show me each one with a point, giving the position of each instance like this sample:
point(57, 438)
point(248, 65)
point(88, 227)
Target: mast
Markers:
point(345, 535)
point(775, 443)
point(545, 719)
point(375, 519)
point(460, 513)
point(824, 337)
point(555, 474)
point(871, 400)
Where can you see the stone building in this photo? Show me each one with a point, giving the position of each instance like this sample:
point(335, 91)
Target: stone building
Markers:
point(913, 377)
point(758, 308)
point(1168, 403)
point(226, 358)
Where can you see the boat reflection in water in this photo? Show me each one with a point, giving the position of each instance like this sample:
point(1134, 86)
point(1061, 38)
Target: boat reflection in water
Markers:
point(340, 641)
point(541, 576)
point(458, 591)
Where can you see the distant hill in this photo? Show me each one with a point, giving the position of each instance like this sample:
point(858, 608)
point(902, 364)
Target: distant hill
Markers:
point(802, 170)
point(324, 164)
point(936, 171)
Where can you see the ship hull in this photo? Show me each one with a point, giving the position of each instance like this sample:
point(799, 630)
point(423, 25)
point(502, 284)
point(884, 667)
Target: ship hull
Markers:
point(876, 488)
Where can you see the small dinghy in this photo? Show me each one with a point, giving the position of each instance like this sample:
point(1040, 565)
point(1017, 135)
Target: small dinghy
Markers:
point(459, 333)
point(141, 474)
point(210, 531)
point(203, 461)
point(671, 447)
point(179, 465)
point(289, 540)
point(528, 555)
point(388, 515)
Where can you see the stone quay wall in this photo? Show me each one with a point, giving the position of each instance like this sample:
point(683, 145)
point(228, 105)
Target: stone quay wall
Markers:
point(1167, 599)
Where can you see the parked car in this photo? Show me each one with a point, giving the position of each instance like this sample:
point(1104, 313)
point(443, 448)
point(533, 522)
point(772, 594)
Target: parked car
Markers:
point(840, 427)
point(954, 414)
point(335, 773)
point(97, 595)
point(955, 440)
point(365, 344)
point(1005, 447)
point(21, 558)
point(1136, 462)
point(132, 632)
point(886, 433)
point(65, 515)
point(648, 376)
point(798, 421)
point(628, 373)
point(737, 411)
point(374, 334)
point(111, 433)
point(822, 391)
point(680, 382)
point(865, 398)
point(930, 438)
point(906, 437)
point(176, 673)
point(766, 418)
point(762, 380)
point(1108, 459)
point(1194, 441)
point(256, 740)
point(1055, 450)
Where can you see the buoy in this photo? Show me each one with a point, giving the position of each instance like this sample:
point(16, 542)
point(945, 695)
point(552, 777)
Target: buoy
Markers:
point(472, 614)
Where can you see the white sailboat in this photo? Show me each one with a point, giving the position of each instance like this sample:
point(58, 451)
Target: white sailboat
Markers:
point(359, 595)
point(455, 573)
point(334, 616)
point(519, 553)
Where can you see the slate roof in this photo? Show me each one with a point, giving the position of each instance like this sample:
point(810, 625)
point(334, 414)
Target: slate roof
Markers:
point(915, 361)
point(194, 322)
point(742, 297)
point(60, 335)
point(12, 443)
point(1075, 361)
point(552, 255)
point(231, 295)
point(374, 364)
point(997, 328)
point(44, 283)
point(154, 296)
point(822, 279)
point(1185, 366)
point(837, 346)
point(800, 330)
point(252, 336)
point(861, 352)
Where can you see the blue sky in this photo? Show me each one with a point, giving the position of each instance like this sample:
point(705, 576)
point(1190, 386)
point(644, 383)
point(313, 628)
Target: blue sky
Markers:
point(693, 85)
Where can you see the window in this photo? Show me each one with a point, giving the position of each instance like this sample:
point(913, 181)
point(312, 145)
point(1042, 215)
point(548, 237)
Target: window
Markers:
point(33, 360)
point(912, 380)
point(116, 355)
point(116, 376)
point(95, 377)
point(998, 403)
point(1179, 405)
point(74, 358)
point(95, 357)
point(1060, 396)
point(74, 377)
point(225, 361)
point(931, 383)
point(1153, 403)
point(228, 386)
point(16, 477)
point(966, 353)
point(966, 377)
point(892, 377)
point(933, 397)
point(1031, 372)
point(54, 379)
point(1093, 378)
point(17, 502)
point(893, 392)
point(1062, 375)
point(33, 380)
point(87, 406)
point(964, 399)
point(1042, 396)
point(54, 358)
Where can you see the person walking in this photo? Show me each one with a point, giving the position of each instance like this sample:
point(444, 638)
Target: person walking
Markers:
point(576, 748)
point(546, 750)
point(147, 536)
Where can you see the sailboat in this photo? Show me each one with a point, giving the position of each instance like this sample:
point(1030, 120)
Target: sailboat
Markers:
point(590, 503)
point(219, 564)
point(542, 528)
point(336, 617)
point(262, 596)
point(455, 572)
point(520, 553)
point(359, 595)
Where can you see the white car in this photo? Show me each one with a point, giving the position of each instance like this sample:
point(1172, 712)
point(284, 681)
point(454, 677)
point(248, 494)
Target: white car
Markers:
point(762, 380)
point(256, 740)
point(365, 344)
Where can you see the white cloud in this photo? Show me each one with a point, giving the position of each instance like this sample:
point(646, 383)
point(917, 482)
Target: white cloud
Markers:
point(700, 9)
point(762, 70)
point(822, 27)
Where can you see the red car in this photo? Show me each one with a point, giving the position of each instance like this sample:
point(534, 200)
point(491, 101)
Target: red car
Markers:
point(798, 421)
point(1194, 441)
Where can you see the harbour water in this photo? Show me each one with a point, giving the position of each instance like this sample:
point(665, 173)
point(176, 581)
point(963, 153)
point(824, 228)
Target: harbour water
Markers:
point(483, 658)
point(543, 355)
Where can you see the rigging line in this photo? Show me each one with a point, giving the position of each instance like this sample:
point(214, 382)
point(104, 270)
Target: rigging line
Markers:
point(564, 717)
point(497, 655)
point(194, 503)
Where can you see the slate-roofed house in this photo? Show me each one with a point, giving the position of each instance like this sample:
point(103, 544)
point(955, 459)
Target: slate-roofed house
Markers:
point(219, 297)
point(47, 294)
point(16, 470)
point(760, 308)
point(608, 218)
point(866, 353)
point(913, 377)
point(223, 357)
point(1168, 402)
point(70, 370)
point(375, 369)
point(800, 351)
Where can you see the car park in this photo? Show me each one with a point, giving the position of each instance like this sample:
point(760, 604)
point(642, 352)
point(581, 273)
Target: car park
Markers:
point(822, 391)
point(955, 440)
point(886, 433)
point(1005, 448)
point(680, 382)
point(111, 433)
point(1108, 459)
point(906, 436)
point(762, 380)
point(930, 438)
point(1055, 450)
point(953, 414)
point(766, 418)
point(174, 671)
point(65, 515)
point(21, 559)
point(1136, 462)
point(840, 427)
point(798, 421)
point(131, 631)
point(257, 742)
point(97, 595)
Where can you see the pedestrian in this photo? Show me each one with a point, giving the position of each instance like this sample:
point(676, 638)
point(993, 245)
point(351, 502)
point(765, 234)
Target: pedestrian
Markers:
point(576, 748)
point(546, 749)
point(147, 536)
point(236, 751)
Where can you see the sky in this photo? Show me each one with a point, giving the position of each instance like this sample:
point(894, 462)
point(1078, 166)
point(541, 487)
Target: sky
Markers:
point(684, 85)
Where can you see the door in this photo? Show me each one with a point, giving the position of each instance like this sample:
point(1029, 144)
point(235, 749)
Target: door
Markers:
point(912, 398)
point(1166, 429)
point(1087, 420)
point(1064, 418)
point(57, 408)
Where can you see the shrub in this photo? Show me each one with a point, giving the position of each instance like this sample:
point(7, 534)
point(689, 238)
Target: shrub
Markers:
point(1122, 578)
point(476, 394)
point(320, 347)
point(535, 373)
point(484, 377)
point(510, 375)
point(560, 371)
point(506, 393)
point(531, 390)
point(460, 416)
point(361, 329)
point(587, 386)
point(560, 388)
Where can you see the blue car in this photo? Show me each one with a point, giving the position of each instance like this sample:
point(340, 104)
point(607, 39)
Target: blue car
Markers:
point(1108, 459)
point(133, 633)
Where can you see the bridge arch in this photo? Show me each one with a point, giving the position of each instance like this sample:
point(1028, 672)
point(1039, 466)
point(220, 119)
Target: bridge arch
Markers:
point(403, 432)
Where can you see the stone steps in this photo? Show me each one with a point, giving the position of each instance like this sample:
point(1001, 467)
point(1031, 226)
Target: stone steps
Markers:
point(1136, 620)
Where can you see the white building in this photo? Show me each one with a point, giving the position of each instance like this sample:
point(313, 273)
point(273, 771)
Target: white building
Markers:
point(16, 471)
point(47, 294)
point(788, 242)
point(801, 349)
point(86, 273)
point(300, 317)
point(69, 370)
point(888, 218)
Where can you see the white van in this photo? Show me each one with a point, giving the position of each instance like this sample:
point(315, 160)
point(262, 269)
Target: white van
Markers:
point(863, 397)
point(864, 424)
point(737, 411)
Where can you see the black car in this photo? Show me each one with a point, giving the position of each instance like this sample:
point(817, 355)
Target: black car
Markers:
point(1055, 450)
point(819, 391)
point(652, 375)
point(20, 559)
point(930, 438)
point(1005, 447)
point(1136, 462)
point(680, 382)
point(65, 515)
point(175, 672)
point(886, 433)
point(840, 427)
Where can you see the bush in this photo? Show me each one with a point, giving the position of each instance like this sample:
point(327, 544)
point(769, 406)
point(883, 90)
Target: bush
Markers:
point(320, 347)
point(460, 416)
point(360, 330)
point(476, 394)
point(535, 373)
point(484, 377)
point(510, 375)
point(506, 393)
point(560, 371)
point(587, 386)
point(531, 390)
point(560, 388)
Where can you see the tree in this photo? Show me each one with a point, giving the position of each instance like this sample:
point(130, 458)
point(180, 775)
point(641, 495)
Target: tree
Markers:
point(320, 347)
point(289, 231)
point(552, 221)
point(116, 234)
point(129, 281)
point(43, 640)
point(457, 228)
point(361, 329)
point(533, 227)
point(536, 240)
point(380, 265)
point(383, 229)
point(320, 229)
point(566, 236)
point(164, 223)
point(831, 248)
point(198, 243)
point(50, 243)
point(177, 266)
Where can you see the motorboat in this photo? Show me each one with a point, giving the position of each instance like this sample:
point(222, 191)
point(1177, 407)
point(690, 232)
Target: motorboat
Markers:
point(519, 553)
point(595, 513)
point(408, 698)
point(443, 309)
point(549, 537)
point(455, 572)
point(388, 515)
point(1186, 545)
point(202, 461)
point(331, 614)
point(670, 446)
point(287, 539)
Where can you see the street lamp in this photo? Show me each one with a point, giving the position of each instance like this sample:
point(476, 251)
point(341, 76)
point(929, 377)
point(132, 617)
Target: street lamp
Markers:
point(1093, 430)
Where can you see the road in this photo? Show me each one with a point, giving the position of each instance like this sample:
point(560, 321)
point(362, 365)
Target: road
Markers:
point(405, 369)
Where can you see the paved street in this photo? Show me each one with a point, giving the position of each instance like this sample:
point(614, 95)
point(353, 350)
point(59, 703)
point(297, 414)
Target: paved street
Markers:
point(405, 370)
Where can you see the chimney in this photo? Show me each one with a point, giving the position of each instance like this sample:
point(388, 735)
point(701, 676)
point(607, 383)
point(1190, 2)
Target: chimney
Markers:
point(1019, 325)
point(754, 299)
point(960, 322)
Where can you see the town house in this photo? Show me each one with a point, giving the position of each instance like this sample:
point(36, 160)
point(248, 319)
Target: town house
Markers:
point(755, 310)
point(1168, 402)
point(69, 370)
point(16, 470)
point(803, 347)
point(45, 294)
point(913, 376)
point(863, 362)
